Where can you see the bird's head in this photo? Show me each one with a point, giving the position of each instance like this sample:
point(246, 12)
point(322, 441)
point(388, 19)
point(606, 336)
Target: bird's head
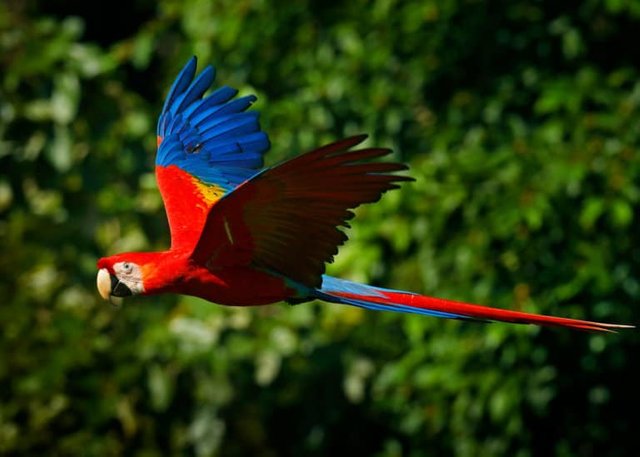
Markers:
point(123, 275)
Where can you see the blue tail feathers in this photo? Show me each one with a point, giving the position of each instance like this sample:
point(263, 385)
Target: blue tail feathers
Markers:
point(345, 292)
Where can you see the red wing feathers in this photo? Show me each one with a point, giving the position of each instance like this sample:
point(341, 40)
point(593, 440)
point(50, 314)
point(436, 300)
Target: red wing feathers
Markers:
point(287, 218)
point(187, 202)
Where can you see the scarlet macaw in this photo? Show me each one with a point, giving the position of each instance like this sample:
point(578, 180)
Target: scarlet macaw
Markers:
point(245, 236)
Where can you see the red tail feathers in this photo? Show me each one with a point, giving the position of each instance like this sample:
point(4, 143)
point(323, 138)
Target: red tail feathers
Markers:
point(495, 314)
point(346, 292)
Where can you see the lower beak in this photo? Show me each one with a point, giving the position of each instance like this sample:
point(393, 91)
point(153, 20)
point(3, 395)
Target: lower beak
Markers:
point(110, 287)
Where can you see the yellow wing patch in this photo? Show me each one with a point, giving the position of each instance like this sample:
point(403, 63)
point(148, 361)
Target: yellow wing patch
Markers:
point(210, 192)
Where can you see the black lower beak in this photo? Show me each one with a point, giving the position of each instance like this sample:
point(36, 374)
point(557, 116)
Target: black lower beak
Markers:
point(119, 289)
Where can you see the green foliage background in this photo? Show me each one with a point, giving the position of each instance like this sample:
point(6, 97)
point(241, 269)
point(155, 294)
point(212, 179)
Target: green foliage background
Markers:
point(521, 122)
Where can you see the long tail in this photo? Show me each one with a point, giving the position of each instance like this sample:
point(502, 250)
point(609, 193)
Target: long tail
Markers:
point(349, 293)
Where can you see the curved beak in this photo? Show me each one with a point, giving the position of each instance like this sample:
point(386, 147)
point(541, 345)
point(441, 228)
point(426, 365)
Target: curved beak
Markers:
point(110, 287)
point(104, 283)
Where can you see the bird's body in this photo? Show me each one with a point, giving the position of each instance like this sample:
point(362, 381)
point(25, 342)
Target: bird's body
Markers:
point(174, 271)
point(242, 235)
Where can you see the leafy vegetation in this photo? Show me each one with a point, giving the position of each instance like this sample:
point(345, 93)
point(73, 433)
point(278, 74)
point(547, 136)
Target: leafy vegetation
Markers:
point(521, 123)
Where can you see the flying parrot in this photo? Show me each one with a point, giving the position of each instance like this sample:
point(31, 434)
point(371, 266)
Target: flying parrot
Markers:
point(244, 235)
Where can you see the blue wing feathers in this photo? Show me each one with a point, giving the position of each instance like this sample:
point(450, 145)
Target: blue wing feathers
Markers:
point(220, 114)
point(240, 125)
point(208, 125)
point(238, 105)
point(175, 123)
point(203, 108)
point(217, 97)
point(194, 91)
point(181, 83)
point(211, 137)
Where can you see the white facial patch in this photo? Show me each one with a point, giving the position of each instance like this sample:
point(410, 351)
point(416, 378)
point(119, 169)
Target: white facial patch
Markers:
point(131, 275)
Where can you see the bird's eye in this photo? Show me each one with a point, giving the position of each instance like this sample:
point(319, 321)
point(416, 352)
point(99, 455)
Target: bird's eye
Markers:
point(127, 267)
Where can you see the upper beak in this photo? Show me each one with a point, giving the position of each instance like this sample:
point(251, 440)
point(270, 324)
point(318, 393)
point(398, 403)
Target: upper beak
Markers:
point(110, 287)
point(104, 283)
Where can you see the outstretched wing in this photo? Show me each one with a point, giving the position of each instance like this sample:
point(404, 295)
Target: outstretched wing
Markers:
point(287, 218)
point(207, 146)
